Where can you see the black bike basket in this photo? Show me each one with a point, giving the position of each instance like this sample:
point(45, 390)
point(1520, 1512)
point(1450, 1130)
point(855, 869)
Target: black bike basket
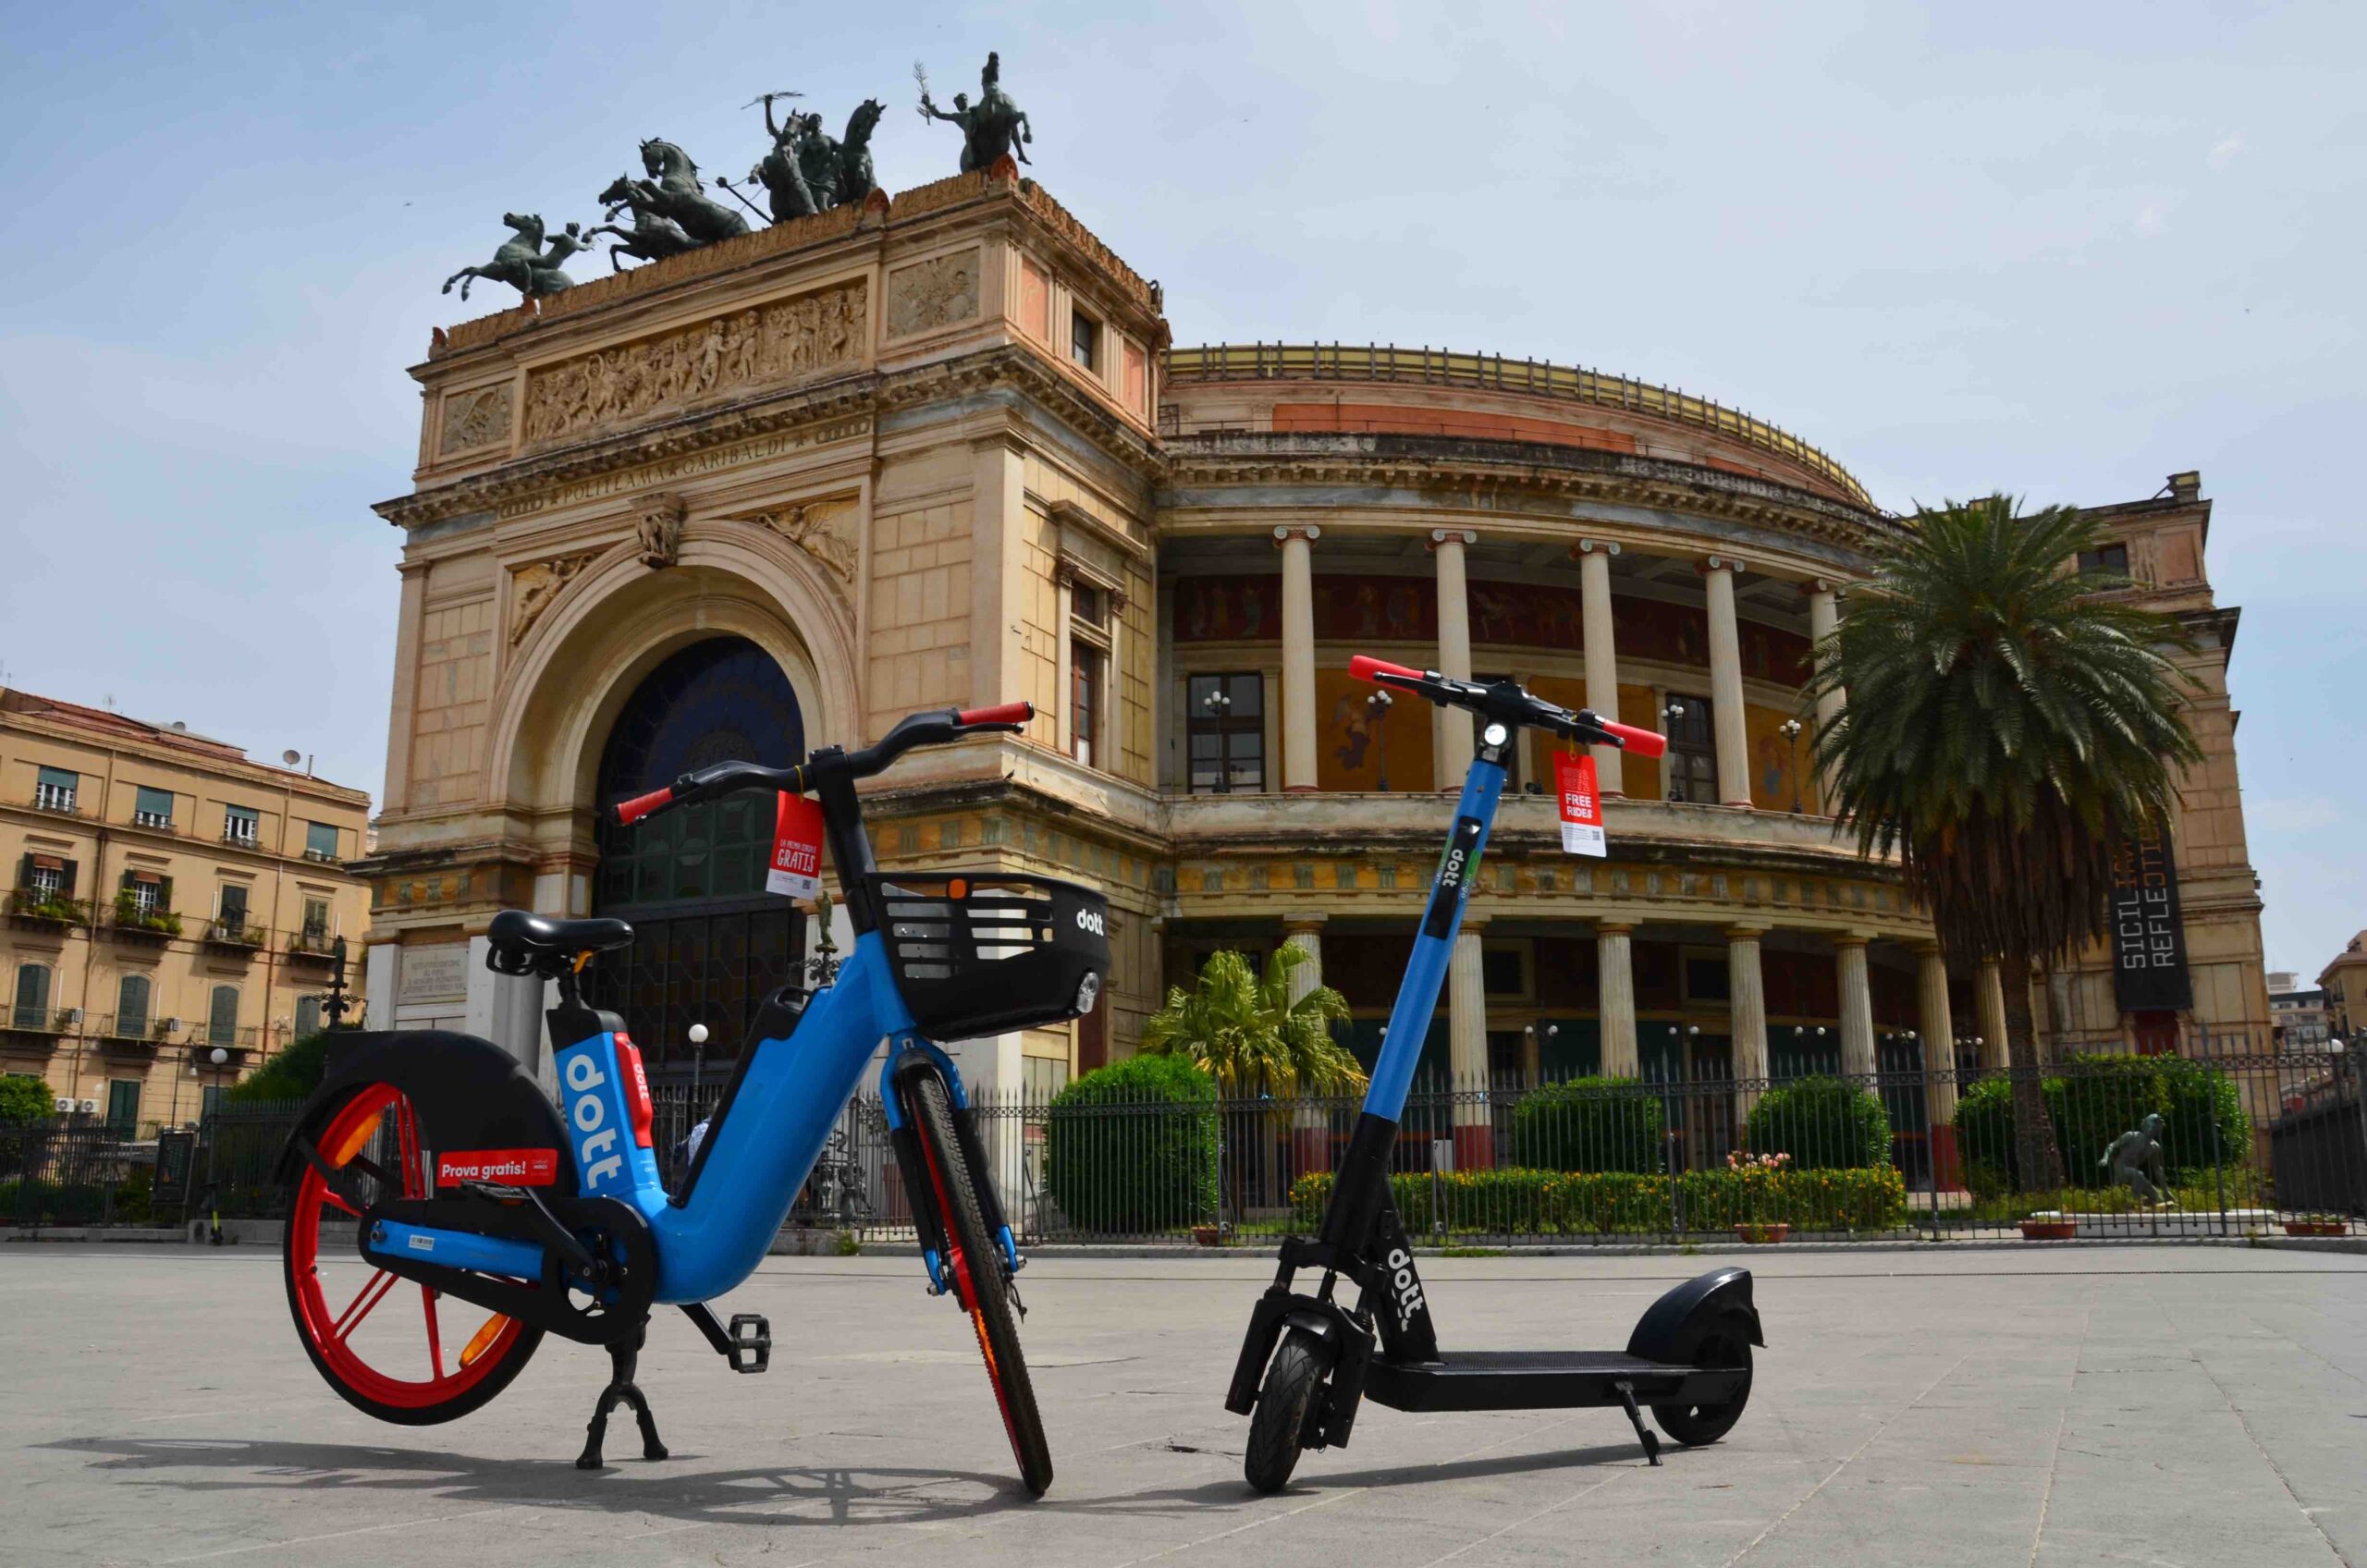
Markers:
point(981, 952)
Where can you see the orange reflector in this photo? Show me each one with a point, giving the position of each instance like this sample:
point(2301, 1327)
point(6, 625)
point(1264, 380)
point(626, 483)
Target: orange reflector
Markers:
point(483, 1338)
point(957, 889)
point(354, 1142)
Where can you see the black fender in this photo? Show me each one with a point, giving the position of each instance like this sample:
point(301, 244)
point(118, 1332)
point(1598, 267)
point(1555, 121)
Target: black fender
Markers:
point(468, 1093)
point(1666, 1331)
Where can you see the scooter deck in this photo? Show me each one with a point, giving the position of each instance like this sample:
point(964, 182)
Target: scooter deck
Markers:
point(1543, 1379)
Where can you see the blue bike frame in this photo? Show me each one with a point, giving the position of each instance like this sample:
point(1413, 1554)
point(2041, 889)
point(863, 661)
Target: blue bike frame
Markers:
point(781, 1118)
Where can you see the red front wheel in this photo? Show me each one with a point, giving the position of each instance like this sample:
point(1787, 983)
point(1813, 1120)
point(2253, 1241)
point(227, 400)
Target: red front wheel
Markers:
point(383, 1341)
point(974, 1262)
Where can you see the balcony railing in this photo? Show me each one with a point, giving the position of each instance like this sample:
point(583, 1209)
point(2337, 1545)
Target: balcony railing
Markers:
point(41, 1020)
point(162, 819)
point(233, 934)
point(142, 1029)
point(53, 798)
point(144, 924)
point(324, 857)
point(243, 835)
point(229, 1036)
point(311, 945)
point(40, 909)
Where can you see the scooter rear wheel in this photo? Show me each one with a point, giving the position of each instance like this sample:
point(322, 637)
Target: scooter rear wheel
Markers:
point(1725, 1343)
point(388, 1364)
point(1280, 1420)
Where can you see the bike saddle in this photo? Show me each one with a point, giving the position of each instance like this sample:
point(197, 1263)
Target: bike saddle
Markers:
point(522, 938)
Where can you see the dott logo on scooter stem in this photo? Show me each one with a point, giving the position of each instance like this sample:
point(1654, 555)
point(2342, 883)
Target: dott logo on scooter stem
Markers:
point(1406, 1289)
point(1455, 873)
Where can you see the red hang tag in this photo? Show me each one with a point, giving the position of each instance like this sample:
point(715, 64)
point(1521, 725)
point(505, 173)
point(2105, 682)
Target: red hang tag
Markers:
point(796, 869)
point(1581, 806)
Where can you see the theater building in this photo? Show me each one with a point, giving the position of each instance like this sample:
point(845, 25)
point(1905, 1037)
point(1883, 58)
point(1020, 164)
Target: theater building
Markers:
point(939, 451)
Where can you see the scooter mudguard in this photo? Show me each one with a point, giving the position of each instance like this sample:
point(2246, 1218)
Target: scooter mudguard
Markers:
point(471, 1096)
point(1667, 1330)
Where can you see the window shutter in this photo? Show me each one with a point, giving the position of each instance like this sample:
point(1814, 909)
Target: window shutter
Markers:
point(66, 884)
point(163, 893)
point(25, 872)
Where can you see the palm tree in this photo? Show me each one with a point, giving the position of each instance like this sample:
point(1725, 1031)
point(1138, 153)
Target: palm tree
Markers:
point(2009, 732)
point(1247, 1032)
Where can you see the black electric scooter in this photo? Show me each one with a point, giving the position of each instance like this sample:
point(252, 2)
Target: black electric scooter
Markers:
point(1308, 1360)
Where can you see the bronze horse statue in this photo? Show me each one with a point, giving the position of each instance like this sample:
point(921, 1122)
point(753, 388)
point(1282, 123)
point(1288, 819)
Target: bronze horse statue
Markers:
point(674, 192)
point(808, 171)
point(991, 128)
point(653, 238)
point(523, 262)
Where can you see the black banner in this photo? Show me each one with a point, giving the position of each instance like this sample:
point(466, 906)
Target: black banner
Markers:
point(2148, 931)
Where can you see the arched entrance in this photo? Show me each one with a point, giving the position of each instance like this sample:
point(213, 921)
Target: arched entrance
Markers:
point(712, 942)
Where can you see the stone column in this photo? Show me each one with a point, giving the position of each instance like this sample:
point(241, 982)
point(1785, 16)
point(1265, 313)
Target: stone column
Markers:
point(1938, 1030)
point(1453, 726)
point(1601, 651)
point(1856, 1004)
point(1989, 1007)
point(1616, 1004)
point(1309, 1124)
point(1725, 681)
point(1298, 655)
point(1824, 613)
point(1746, 1006)
point(1467, 1034)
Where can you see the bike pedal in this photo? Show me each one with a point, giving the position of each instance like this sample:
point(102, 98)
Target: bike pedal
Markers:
point(752, 1341)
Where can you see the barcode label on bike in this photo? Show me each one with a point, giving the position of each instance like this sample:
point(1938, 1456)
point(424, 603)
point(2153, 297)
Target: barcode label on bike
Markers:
point(796, 870)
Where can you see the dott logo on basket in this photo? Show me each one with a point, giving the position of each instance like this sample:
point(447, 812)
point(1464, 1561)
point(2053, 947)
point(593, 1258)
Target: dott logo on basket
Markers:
point(1090, 920)
point(509, 1168)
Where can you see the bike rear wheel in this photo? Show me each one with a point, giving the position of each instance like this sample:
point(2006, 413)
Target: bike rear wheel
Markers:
point(393, 1364)
point(974, 1263)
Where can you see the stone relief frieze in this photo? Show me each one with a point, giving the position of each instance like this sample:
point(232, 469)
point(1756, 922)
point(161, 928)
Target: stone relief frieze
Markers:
point(534, 587)
point(475, 418)
point(933, 293)
point(786, 340)
point(825, 529)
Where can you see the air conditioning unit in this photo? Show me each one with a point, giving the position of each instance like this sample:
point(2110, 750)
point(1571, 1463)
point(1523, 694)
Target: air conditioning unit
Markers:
point(90, 1108)
point(172, 1027)
point(73, 1017)
point(65, 1105)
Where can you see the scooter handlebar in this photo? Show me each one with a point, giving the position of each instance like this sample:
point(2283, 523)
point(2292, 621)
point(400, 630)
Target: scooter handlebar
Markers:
point(1364, 667)
point(1643, 742)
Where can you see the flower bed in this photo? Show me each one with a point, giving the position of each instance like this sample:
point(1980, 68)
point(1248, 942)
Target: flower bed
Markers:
point(1515, 1201)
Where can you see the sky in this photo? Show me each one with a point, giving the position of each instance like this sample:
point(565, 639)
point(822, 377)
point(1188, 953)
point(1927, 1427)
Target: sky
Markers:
point(2060, 250)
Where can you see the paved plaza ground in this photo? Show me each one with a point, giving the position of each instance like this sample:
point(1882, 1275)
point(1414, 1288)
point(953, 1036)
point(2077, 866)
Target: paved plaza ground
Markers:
point(2145, 1405)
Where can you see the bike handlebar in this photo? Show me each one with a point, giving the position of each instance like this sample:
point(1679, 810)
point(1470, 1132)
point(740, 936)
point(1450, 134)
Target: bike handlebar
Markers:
point(934, 727)
point(1508, 703)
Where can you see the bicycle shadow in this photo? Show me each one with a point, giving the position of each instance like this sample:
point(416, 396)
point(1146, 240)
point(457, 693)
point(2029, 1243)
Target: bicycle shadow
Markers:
point(771, 1494)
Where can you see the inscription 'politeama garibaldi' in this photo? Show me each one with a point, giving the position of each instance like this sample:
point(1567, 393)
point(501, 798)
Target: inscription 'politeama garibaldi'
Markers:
point(784, 341)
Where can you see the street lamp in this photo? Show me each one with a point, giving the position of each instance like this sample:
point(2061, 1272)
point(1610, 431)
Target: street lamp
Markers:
point(1376, 709)
point(337, 1004)
point(1790, 731)
point(218, 1056)
point(1216, 705)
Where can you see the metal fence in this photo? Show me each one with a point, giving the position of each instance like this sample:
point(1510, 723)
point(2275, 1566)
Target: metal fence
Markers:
point(2245, 1143)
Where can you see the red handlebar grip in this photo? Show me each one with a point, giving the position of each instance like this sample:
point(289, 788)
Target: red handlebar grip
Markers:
point(1643, 742)
point(633, 811)
point(1009, 713)
point(1364, 667)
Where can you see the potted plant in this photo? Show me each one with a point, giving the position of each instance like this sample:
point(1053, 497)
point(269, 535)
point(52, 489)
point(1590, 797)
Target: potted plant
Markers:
point(1208, 1235)
point(2050, 1225)
point(2317, 1225)
point(1758, 1172)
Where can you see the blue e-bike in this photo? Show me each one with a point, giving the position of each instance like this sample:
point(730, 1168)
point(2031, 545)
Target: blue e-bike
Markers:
point(1309, 1361)
point(451, 1171)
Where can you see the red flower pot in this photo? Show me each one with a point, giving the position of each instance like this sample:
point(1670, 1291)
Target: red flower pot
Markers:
point(1762, 1233)
point(2315, 1227)
point(2049, 1230)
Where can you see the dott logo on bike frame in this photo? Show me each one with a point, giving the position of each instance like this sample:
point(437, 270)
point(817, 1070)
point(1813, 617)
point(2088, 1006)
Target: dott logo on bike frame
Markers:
point(587, 1112)
point(1406, 1289)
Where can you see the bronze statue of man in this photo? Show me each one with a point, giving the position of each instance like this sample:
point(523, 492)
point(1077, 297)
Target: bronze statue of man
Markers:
point(992, 127)
point(2135, 1159)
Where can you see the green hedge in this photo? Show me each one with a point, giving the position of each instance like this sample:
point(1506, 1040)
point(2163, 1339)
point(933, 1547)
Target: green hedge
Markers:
point(1113, 1167)
point(1589, 1124)
point(1515, 1201)
point(1824, 1123)
point(2093, 1100)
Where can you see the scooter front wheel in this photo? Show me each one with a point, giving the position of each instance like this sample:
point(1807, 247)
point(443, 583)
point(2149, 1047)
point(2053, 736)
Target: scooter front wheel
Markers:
point(1280, 1420)
point(396, 1364)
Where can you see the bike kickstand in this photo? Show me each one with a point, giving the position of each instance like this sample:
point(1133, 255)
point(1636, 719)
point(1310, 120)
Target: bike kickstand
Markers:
point(622, 1357)
point(1643, 1433)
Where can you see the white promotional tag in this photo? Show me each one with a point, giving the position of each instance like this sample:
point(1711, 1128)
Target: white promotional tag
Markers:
point(796, 869)
point(1581, 806)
